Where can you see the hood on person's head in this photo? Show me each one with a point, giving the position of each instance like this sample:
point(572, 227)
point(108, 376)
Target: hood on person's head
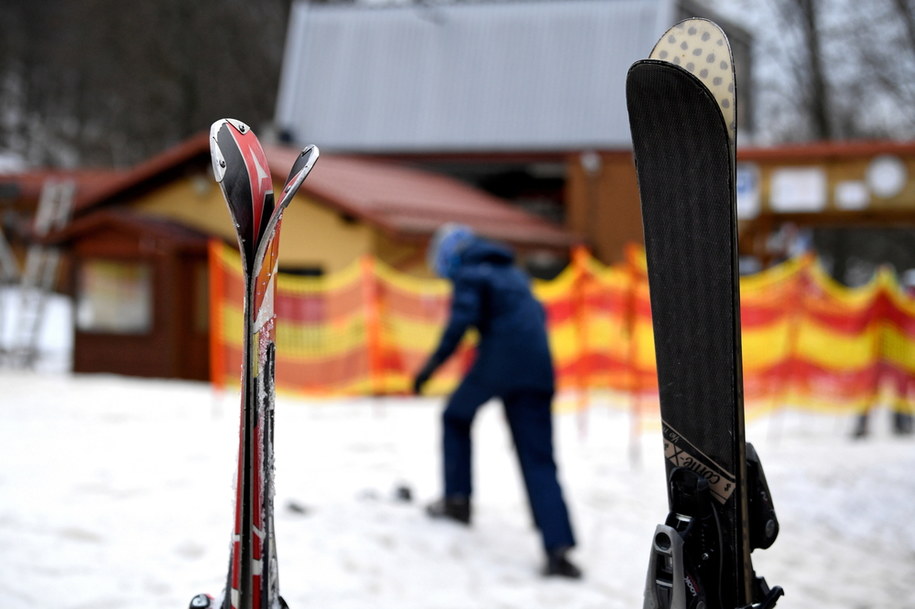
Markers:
point(444, 254)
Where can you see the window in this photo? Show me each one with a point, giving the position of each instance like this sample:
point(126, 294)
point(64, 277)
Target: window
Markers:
point(114, 296)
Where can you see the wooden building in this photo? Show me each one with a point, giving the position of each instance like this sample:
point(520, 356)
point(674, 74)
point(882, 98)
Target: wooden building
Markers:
point(139, 288)
point(137, 248)
point(859, 190)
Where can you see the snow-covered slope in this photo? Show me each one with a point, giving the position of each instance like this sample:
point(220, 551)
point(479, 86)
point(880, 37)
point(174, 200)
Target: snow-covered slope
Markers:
point(116, 493)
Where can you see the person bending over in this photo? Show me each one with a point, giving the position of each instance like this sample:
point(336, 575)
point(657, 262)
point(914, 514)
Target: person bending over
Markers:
point(513, 363)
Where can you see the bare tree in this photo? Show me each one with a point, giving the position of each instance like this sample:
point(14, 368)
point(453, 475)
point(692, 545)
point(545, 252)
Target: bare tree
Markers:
point(102, 82)
point(817, 98)
point(885, 53)
point(108, 83)
point(830, 69)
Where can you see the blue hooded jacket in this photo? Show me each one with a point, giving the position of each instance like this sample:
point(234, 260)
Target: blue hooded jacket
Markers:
point(493, 295)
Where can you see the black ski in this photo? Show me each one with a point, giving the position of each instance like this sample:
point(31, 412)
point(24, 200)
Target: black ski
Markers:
point(240, 166)
point(682, 114)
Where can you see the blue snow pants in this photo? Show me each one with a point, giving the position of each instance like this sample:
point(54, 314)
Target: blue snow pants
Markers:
point(530, 420)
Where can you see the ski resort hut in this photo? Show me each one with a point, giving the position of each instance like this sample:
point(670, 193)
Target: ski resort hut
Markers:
point(139, 248)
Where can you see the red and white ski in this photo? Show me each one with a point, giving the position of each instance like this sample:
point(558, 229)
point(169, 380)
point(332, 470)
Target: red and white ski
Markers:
point(242, 171)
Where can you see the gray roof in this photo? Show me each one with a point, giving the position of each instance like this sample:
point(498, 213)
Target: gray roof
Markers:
point(466, 77)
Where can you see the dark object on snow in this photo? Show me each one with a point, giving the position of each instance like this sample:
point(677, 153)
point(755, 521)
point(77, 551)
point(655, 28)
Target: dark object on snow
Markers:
point(902, 425)
point(297, 508)
point(403, 493)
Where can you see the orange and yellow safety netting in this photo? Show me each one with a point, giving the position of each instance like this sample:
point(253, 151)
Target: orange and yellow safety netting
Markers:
point(807, 341)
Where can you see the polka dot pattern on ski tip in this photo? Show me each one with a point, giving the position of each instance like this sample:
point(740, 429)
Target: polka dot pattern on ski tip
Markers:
point(700, 47)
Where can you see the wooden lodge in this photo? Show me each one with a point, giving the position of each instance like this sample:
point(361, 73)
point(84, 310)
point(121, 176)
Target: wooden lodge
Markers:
point(136, 249)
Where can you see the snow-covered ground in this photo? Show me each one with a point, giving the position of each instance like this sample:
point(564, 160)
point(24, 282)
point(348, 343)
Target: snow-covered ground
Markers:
point(117, 493)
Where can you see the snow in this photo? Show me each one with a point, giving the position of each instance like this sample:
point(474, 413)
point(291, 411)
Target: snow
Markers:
point(54, 339)
point(117, 492)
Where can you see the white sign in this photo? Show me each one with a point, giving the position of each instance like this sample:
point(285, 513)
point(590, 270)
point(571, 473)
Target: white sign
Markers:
point(798, 189)
point(852, 195)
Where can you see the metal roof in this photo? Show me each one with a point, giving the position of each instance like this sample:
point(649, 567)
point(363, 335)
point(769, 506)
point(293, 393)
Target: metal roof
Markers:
point(487, 76)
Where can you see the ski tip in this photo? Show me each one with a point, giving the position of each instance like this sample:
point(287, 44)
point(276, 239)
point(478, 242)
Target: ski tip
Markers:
point(300, 170)
point(701, 47)
point(697, 28)
point(219, 161)
point(240, 126)
point(310, 153)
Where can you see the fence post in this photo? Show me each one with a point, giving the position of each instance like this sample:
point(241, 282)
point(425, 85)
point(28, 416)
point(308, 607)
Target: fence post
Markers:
point(372, 311)
point(579, 305)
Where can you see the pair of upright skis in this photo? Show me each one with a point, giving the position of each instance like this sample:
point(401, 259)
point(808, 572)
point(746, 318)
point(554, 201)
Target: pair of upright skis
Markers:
point(241, 168)
point(682, 115)
point(682, 112)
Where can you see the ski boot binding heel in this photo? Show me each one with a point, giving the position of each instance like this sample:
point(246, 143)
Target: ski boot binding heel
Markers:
point(665, 570)
point(686, 568)
point(686, 550)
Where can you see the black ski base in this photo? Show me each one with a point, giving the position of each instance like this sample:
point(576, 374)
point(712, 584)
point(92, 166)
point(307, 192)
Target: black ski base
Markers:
point(682, 116)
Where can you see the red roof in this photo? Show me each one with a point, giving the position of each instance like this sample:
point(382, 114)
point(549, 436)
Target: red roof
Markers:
point(25, 187)
point(405, 202)
point(97, 186)
point(414, 203)
point(147, 173)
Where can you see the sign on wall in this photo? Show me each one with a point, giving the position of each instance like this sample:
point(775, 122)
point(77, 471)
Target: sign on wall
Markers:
point(798, 189)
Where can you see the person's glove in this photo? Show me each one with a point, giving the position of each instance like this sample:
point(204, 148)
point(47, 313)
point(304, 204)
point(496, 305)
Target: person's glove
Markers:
point(422, 377)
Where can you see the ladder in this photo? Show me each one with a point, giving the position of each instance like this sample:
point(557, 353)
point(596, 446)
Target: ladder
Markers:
point(9, 275)
point(9, 269)
point(40, 273)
